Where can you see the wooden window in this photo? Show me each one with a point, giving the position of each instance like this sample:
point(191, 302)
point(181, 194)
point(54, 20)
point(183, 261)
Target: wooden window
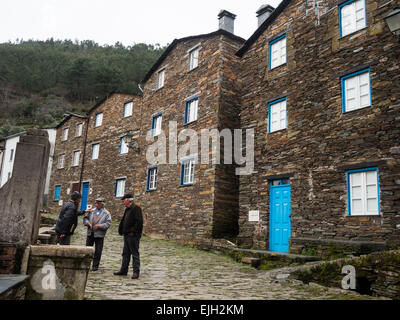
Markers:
point(61, 161)
point(363, 192)
point(191, 110)
point(352, 17)
point(356, 91)
point(120, 187)
point(65, 134)
point(75, 158)
point(95, 151)
point(277, 115)
point(194, 58)
point(124, 147)
point(187, 172)
point(99, 120)
point(152, 178)
point(161, 78)
point(156, 124)
point(128, 109)
point(277, 52)
point(57, 192)
point(79, 127)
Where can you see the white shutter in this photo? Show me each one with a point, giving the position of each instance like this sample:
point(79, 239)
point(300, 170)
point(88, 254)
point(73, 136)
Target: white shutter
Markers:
point(128, 109)
point(358, 92)
point(95, 151)
point(353, 17)
point(278, 53)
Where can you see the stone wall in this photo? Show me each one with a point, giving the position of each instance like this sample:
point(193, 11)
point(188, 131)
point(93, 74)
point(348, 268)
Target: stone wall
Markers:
point(69, 174)
point(377, 274)
point(320, 142)
point(188, 212)
point(102, 173)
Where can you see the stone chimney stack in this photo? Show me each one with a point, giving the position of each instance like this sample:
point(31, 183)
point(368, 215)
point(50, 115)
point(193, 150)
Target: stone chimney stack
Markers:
point(226, 21)
point(263, 13)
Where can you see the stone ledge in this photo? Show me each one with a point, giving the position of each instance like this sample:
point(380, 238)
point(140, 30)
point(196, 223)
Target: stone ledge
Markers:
point(62, 251)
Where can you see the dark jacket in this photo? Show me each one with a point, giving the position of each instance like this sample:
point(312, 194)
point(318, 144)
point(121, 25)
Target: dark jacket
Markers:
point(68, 219)
point(132, 221)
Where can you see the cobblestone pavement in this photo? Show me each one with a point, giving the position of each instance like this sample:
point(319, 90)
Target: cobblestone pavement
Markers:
point(173, 271)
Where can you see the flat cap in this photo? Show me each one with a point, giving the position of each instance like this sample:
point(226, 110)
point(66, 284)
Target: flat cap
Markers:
point(100, 200)
point(127, 196)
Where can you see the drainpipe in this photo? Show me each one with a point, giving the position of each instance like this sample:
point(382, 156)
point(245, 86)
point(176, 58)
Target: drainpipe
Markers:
point(84, 153)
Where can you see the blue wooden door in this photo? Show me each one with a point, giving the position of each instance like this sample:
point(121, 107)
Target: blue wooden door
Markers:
point(279, 218)
point(85, 194)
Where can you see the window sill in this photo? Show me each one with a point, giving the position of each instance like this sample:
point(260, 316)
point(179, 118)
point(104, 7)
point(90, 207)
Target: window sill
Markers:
point(195, 68)
point(127, 117)
point(274, 68)
point(363, 215)
point(353, 33)
point(355, 110)
point(189, 123)
point(187, 185)
point(151, 190)
point(280, 130)
point(158, 89)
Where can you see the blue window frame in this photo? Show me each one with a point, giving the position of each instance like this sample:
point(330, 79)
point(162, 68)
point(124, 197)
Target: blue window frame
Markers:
point(356, 90)
point(277, 115)
point(119, 187)
point(152, 173)
point(363, 192)
point(57, 192)
point(352, 17)
point(156, 124)
point(277, 52)
point(187, 171)
point(191, 109)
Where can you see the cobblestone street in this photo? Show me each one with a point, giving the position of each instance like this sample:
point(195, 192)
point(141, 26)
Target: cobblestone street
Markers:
point(172, 271)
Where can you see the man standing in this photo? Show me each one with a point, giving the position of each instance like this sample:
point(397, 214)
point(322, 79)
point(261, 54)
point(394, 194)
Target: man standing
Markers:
point(130, 227)
point(68, 219)
point(97, 221)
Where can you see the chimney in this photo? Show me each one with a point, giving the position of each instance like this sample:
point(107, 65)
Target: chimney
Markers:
point(263, 13)
point(226, 21)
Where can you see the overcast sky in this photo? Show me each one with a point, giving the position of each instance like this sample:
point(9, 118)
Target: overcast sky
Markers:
point(126, 21)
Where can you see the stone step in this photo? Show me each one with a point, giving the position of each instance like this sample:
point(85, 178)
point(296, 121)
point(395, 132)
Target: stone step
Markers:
point(254, 262)
point(273, 255)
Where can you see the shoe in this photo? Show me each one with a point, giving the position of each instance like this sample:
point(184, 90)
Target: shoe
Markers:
point(135, 276)
point(120, 273)
point(95, 268)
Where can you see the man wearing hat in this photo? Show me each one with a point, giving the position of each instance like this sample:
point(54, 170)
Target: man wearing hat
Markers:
point(130, 227)
point(68, 219)
point(97, 221)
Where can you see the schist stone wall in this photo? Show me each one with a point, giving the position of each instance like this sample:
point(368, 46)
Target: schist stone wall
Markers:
point(203, 209)
point(111, 164)
point(321, 142)
point(67, 176)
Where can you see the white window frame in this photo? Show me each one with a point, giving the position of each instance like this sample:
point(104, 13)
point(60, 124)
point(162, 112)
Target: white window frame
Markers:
point(61, 161)
point(98, 121)
point(352, 17)
point(65, 134)
point(277, 112)
point(194, 58)
point(95, 151)
point(128, 109)
point(123, 147)
point(160, 78)
point(120, 184)
point(76, 158)
point(277, 52)
point(360, 92)
point(79, 128)
point(191, 112)
point(156, 126)
point(366, 191)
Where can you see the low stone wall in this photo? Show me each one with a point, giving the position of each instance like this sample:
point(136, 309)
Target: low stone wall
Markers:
point(328, 249)
point(58, 272)
point(11, 258)
point(377, 274)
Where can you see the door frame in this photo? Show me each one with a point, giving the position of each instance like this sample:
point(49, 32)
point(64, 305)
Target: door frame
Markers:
point(284, 182)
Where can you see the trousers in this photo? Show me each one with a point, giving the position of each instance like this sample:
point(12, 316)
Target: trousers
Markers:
point(131, 248)
point(98, 248)
point(64, 241)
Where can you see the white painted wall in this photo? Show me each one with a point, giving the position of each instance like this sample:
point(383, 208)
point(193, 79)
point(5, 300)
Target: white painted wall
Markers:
point(8, 162)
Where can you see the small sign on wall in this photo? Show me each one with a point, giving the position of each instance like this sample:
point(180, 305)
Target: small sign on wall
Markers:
point(60, 203)
point(254, 216)
point(68, 191)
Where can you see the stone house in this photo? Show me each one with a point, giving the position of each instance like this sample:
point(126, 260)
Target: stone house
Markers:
point(319, 87)
point(323, 95)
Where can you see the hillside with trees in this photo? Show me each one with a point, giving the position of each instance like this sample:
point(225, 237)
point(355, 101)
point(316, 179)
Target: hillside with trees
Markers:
point(41, 80)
